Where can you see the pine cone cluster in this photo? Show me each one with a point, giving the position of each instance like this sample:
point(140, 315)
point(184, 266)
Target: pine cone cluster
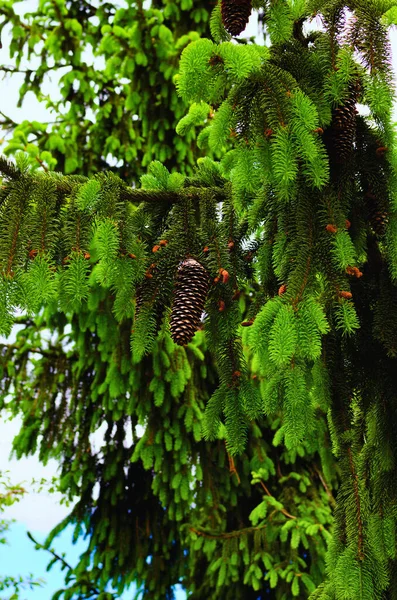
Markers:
point(190, 294)
point(235, 15)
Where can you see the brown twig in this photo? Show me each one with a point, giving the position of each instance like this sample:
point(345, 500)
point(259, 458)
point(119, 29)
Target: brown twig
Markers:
point(325, 486)
point(285, 512)
point(232, 468)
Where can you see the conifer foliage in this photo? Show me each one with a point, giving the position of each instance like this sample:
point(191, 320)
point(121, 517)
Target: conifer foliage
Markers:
point(114, 63)
point(299, 326)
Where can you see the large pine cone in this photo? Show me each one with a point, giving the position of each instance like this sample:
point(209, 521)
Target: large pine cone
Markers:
point(342, 134)
point(190, 294)
point(235, 15)
point(344, 123)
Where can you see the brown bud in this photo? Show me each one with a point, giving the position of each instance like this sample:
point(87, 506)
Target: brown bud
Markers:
point(268, 132)
point(87, 255)
point(132, 255)
point(230, 245)
point(236, 295)
point(225, 276)
point(221, 306)
point(282, 289)
point(318, 130)
point(163, 242)
point(382, 150)
point(247, 323)
point(236, 374)
point(33, 253)
point(331, 228)
point(347, 224)
point(217, 279)
point(354, 271)
point(148, 275)
point(206, 249)
point(346, 295)
point(156, 248)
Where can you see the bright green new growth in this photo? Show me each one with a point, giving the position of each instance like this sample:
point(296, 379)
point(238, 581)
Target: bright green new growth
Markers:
point(298, 336)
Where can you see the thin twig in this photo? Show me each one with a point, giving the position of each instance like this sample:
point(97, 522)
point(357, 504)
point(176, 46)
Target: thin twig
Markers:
point(285, 512)
point(325, 486)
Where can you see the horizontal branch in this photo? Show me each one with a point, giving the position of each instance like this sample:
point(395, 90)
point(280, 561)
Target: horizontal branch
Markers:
point(157, 196)
point(65, 184)
point(50, 353)
point(227, 535)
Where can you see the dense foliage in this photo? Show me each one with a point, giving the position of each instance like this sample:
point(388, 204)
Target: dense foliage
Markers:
point(114, 63)
point(227, 489)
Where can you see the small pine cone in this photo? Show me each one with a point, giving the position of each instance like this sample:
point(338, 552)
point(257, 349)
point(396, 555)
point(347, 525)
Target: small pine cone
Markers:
point(235, 15)
point(190, 295)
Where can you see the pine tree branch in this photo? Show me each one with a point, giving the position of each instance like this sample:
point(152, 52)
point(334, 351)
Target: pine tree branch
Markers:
point(66, 184)
point(65, 564)
point(47, 353)
point(227, 535)
point(354, 475)
point(159, 196)
point(54, 554)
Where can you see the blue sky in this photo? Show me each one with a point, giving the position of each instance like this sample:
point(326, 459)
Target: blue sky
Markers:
point(39, 512)
point(19, 557)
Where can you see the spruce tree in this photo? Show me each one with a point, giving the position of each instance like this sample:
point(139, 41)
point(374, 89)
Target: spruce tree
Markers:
point(296, 228)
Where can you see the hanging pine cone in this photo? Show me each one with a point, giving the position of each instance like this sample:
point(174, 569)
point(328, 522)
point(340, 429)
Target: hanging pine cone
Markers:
point(344, 123)
point(190, 294)
point(340, 137)
point(235, 15)
point(377, 212)
point(379, 220)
